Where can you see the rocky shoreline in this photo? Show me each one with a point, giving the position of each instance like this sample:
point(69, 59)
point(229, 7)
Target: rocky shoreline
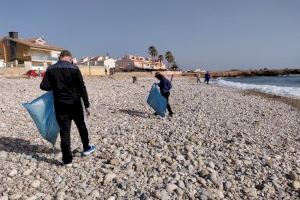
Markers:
point(294, 102)
point(256, 72)
point(221, 144)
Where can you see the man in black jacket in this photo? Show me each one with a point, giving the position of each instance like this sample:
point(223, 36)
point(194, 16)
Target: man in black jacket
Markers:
point(68, 87)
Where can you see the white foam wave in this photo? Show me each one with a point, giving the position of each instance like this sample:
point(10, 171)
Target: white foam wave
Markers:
point(270, 89)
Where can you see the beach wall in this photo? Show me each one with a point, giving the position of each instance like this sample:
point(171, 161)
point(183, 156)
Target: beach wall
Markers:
point(12, 71)
point(92, 70)
point(19, 71)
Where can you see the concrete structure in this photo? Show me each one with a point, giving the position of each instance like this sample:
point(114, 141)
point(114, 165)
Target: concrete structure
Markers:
point(132, 62)
point(34, 53)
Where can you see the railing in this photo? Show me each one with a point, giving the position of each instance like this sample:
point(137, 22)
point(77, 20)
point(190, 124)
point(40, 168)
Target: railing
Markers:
point(44, 58)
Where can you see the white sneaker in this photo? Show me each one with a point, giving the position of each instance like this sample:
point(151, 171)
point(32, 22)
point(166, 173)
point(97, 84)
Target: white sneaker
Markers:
point(68, 165)
point(90, 150)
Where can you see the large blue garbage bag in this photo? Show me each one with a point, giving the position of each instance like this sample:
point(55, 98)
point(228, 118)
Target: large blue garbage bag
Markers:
point(43, 114)
point(157, 101)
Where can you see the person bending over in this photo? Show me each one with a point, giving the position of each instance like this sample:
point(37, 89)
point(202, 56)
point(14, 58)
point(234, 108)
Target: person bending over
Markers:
point(165, 87)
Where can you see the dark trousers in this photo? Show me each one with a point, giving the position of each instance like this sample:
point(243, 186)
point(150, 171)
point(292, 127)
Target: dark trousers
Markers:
point(206, 80)
point(166, 95)
point(65, 113)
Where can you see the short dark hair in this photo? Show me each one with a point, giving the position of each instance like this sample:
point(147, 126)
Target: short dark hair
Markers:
point(65, 53)
point(158, 75)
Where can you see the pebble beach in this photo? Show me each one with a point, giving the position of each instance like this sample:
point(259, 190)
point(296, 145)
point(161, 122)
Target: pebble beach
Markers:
point(220, 144)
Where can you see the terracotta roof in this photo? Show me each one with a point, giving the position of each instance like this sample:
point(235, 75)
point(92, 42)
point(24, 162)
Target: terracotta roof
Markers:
point(31, 43)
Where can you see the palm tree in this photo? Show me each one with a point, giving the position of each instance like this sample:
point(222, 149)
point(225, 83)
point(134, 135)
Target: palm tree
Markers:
point(153, 53)
point(169, 57)
point(160, 58)
point(175, 67)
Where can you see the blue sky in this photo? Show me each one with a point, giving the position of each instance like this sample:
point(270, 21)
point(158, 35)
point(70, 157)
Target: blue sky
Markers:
point(209, 34)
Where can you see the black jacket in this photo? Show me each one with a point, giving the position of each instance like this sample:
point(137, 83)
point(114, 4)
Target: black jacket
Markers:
point(66, 81)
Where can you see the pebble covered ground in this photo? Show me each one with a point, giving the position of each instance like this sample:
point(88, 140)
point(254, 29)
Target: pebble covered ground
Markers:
point(220, 144)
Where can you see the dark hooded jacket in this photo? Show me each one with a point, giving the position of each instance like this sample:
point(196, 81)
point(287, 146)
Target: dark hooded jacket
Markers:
point(164, 85)
point(66, 81)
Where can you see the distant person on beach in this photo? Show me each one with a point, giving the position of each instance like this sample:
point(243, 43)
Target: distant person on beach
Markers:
point(165, 87)
point(68, 87)
point(207, 77)
point(198, 78)
point(39, 72)
point(134, 79)
point(105, 71)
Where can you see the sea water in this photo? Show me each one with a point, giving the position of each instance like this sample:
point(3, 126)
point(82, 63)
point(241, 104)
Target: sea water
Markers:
point(288, 86)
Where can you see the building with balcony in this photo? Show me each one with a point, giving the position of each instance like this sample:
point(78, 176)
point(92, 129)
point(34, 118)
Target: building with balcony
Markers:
point(105, 61)
point(34, 53)
point(132, 62)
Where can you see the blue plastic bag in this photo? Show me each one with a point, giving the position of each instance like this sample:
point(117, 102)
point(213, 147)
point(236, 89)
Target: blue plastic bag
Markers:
point(157, 101)
point(43, 114)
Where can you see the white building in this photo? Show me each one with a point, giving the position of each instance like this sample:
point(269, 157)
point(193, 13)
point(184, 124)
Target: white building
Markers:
point(75, 61)
point(83, 61)
point(105, 61)
point(2, 64)
point(200, 70)
point(110, 63)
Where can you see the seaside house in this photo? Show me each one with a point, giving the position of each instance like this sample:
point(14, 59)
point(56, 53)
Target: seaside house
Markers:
point(83, 61)
point(97, 65)
point(34, 53)
point(96, 61)
point(132, 62)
